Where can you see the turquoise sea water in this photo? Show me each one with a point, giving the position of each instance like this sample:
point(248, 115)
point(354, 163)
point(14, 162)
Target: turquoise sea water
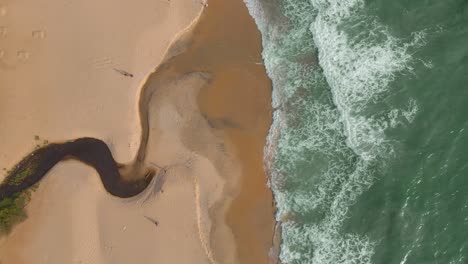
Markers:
point(368, 145)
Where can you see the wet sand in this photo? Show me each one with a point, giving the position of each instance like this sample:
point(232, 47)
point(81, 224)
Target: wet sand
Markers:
point(238, 102)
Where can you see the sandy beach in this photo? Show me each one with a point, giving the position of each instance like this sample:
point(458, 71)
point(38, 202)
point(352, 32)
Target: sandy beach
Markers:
point(57, 70)
point(208, 117)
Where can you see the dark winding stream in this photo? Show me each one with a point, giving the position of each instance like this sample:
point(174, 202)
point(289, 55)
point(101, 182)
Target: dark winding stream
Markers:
point(91, 151)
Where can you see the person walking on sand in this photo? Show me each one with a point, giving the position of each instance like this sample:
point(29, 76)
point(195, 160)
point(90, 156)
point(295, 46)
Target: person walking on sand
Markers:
point(124, 73)
point(156, 223)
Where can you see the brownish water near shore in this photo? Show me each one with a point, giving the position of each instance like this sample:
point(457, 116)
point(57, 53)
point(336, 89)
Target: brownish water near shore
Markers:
point(227, 44)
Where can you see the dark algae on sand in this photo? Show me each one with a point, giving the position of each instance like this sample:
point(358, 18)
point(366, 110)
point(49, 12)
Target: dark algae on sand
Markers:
point(15, 190)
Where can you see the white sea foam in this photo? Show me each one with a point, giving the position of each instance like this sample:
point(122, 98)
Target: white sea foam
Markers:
point(329, 247)
point(358, 70)
point(334, 130)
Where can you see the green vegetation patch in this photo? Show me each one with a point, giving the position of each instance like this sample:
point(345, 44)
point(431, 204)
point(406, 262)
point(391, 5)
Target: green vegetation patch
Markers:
point(12, 210)
point(24, 172)
point(20, 176)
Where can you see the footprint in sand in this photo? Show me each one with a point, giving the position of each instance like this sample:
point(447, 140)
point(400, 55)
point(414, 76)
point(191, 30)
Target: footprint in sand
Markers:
point(3, 31)
point(3, 10)
point(38, 34)
point(22, 55)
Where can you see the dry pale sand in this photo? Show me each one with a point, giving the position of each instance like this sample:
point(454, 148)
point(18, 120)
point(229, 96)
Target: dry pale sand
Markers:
point(56, 68)
point(209, 114)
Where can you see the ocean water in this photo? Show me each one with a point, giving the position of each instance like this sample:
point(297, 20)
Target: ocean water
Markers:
point(368, 148)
